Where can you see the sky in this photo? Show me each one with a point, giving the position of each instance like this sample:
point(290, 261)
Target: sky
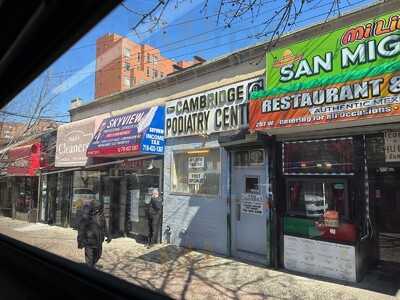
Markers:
point(186, 30)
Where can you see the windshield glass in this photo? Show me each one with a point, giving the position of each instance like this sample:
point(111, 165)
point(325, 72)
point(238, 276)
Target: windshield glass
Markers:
point(231, 149)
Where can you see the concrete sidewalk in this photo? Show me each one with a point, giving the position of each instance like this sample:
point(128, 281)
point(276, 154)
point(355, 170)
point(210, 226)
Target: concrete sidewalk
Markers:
point(185, 274)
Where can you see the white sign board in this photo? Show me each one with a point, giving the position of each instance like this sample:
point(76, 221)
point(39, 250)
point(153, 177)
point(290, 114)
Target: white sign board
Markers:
point(134, 213)
point(251, 204)
point(320, 258)
point(216, 110)
point(73, 140)
point(196, 162)
point(315, 204)
point(196, 178)
point(392, 146)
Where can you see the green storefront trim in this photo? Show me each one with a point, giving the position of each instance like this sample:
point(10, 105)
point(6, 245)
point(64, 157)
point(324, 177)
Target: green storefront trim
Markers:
point(300, 226)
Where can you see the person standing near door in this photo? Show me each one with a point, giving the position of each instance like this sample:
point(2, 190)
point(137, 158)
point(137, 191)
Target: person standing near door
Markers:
point(153, 208)
point(92, 230)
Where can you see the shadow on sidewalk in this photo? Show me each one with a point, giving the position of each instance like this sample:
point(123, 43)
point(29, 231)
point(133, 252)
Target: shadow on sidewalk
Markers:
point(165, 254)
point(186, 274)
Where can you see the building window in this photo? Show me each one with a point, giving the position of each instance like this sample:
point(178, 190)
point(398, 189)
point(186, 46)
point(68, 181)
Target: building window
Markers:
point(127, 66)
point(138, 56)
point(148, 72)
point(127, 52)
point(245, 158)
point(196, 172)
point(161, 74)
point(333, 156)
point(127, 82)
point(133, 81)
point(313, 197)
point(155, 73)
point(148, 58)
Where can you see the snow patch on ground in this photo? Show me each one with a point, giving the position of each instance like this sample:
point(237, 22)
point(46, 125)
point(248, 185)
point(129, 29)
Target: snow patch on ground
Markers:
point(33, 227)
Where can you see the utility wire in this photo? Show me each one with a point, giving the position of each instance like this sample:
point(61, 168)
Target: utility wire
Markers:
point(27, 116)
point(204, 41)
point(267, 11)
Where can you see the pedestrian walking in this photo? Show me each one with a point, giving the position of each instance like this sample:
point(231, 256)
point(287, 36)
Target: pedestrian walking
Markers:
point(153, 214)
point(92, 231)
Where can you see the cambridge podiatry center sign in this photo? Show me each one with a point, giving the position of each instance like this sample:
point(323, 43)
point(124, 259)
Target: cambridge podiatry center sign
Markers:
point(216, 110)
point(351, 74)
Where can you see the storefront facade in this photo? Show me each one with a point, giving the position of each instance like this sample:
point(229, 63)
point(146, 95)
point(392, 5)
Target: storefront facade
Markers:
point(130, 147)
point(22, 181)
point(216, 185)
point(332, 106)
point(65, 178)
point(115, 161)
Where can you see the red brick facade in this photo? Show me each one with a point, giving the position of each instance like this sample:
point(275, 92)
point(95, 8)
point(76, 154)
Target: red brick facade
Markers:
point(122, 64)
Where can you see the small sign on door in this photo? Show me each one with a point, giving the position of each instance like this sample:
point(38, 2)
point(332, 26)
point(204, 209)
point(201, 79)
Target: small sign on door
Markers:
point(251, 204)
point(392, 146)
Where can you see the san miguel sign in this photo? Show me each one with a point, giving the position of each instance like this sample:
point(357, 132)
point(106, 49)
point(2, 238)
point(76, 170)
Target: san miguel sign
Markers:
point(216, 110)
point(351, 74)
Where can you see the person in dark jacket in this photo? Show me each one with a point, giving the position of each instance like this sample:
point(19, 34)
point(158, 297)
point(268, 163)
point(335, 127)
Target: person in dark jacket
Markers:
point(92, 230)
point(153, 214)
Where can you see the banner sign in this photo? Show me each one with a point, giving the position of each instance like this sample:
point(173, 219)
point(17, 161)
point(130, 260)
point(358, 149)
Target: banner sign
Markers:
point(133, 133)
point(346, 75)
point(24, 160)
point(73, 140)
point(216, 110)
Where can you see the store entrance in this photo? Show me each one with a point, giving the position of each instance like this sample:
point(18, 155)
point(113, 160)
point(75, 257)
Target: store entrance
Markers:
point(249, 213)
point(386, 198)
point(115, 207)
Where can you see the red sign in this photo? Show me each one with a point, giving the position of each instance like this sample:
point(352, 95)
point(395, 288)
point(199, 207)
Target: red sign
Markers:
point(24, 160)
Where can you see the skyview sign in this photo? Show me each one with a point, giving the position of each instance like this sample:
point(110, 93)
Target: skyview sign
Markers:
point(133, 133)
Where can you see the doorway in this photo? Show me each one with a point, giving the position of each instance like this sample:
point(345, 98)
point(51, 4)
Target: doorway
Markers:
point(386, 199)
point(250, 216)
point(115, 208)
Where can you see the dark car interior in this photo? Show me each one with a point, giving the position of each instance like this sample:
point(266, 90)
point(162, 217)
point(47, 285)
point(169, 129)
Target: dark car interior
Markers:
point(34, 34)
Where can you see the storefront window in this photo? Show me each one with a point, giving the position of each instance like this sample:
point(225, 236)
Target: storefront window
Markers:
point(196, 172)
point(313, 197)
point(142, 179)
point(333, 156)
point(86, 188)
point(26, 193)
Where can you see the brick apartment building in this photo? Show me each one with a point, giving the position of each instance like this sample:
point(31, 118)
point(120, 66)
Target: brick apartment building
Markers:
point(13, 131)
point(122, 64)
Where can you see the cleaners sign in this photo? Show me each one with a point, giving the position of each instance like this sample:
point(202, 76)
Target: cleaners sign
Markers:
point(350, 74)
point(133, 133)
point(213, 111)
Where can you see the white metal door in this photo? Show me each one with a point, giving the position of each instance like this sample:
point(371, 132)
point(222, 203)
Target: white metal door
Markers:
point(250, 213)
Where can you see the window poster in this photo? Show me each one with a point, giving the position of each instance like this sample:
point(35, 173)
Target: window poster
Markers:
point(135, 197)
point(251, 203)
point(196, 162)
point(392, 146)
point(196, 178)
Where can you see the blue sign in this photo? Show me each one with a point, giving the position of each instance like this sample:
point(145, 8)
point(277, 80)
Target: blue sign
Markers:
point(134, 133)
